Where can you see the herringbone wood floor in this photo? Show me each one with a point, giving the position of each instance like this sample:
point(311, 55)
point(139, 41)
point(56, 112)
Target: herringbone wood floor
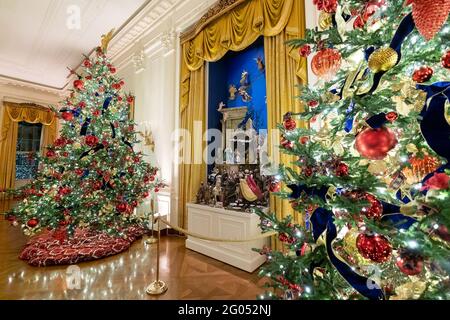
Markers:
point(189, 275)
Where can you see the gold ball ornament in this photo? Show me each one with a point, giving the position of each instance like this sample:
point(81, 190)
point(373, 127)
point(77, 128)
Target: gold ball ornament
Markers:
point(349, 246)
point(77, 145)
point(325, 20)
point(383, 59)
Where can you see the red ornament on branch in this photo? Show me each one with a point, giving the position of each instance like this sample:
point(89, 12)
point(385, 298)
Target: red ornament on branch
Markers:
point(328, 6)
point(374, 247)
point(445, 60)
point(67, 116)
point(409, 263)
point(391, 116)
point(305, 50)
point(275, 186)
point(375, 211)
point(78, 84)
point(342, 170)
point(91, 141)
point(374, 144)
point(422, 74)
point(289, 123)
point(326, 63)
point(51, 154)
point(32, 223)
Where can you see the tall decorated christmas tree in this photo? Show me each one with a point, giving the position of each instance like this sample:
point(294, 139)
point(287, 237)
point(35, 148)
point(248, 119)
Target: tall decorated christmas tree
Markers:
point(371, 175)
point(90, 177)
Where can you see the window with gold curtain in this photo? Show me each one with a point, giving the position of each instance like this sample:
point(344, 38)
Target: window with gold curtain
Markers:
point(11, 115)
point(235, 25)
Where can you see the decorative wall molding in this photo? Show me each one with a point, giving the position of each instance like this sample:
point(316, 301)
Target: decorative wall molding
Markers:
point(139, 61)
point(168, 39)
point(7, 81)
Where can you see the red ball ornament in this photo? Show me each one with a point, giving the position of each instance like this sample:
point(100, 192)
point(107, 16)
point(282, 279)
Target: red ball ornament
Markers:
point(391, 116)
point(328, 6)
point(326, 63)
point(32, 223)
point(358, 23)
point(410, 264)
point(112, 69)
point(82, 104)
point(422, 74)
point(303, 140)
point(130, 99)
point(122, 207)
point(375, 211)
point(97, 185)
point(289, 124)
point(285, 143)
point(313, 103)
point(67, 116)
point(374, 144)
point(275, 186)
point(304, 50)
point(342, 170)
point(51, 154)
point(78, 84)
point(308, 171)
point(91, 141)
point(445, 60)
point(87, 63)
point(374, 247)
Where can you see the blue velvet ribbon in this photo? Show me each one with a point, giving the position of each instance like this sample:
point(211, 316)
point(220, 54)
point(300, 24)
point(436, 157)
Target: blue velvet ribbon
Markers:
point(434, 126)
point(322, 221)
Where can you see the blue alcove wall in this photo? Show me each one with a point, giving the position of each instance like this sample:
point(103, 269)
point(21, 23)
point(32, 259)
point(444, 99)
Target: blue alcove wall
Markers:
point(228, 70)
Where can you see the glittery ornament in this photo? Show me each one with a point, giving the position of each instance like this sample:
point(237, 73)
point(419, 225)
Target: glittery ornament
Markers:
point(429, 16)
point(445, 60)
point(383, 59)
point(422, 74)
point(349, 246)
point(342, 170)
point(326, 63)
point(374, 247)
point(325, 20)
point(419, 168)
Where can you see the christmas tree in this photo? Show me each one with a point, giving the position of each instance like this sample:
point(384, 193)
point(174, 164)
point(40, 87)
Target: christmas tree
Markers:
point(371, 175)
point(90, 177)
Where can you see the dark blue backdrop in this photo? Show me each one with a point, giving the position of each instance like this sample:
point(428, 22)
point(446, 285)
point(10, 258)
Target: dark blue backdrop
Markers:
point(228, 71)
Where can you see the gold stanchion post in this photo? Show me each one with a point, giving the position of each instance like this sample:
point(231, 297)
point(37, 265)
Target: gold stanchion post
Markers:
point(157, 287)
point(152, 239)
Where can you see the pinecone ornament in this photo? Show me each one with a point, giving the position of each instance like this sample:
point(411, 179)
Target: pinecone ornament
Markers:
point(429, 15)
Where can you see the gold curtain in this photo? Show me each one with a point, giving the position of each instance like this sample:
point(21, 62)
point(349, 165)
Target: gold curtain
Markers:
point(193, 171)
point(236, 29)
point(12, 114)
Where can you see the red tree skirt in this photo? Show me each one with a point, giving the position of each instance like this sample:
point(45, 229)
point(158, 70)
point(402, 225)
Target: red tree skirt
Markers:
point(50, 249)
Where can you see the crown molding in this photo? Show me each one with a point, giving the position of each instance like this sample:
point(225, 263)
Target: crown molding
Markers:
point(10, 81)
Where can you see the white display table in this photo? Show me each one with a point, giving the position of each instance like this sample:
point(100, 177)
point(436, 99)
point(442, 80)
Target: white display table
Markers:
point(226, 224)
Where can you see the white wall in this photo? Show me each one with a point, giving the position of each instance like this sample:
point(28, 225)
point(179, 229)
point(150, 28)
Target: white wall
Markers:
point(153, 77)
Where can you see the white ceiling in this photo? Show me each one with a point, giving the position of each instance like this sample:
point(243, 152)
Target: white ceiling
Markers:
point(37, 46)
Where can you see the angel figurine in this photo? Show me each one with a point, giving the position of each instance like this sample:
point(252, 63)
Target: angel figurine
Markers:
point(221, 106)
point(260, 64)
point(232, 90)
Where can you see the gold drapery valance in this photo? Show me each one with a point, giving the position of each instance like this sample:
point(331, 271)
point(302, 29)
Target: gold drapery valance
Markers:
point(30, 113)
point(239, 28)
